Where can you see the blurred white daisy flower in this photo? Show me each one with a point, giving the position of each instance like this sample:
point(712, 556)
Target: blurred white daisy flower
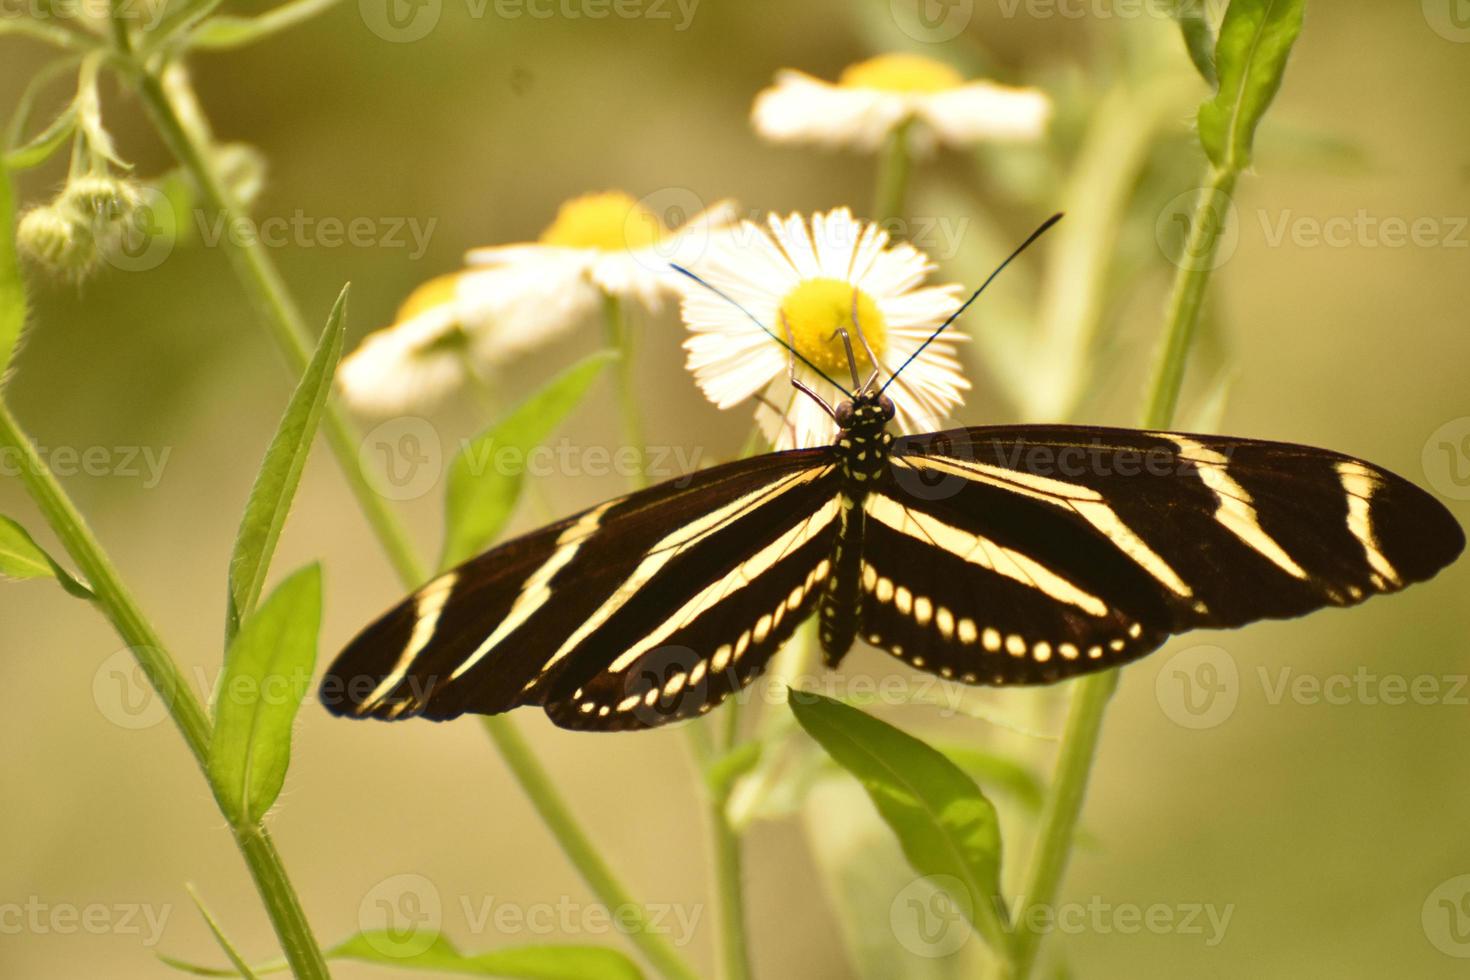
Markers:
point(873, 98)
point(804, 281)
point(516, 297)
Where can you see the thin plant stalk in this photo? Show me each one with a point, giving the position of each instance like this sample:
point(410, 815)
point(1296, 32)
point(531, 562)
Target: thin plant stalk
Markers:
point(580, 850)
point(1091, 694)
point(620, 337)
point(703, 746)
point(169, 108)
point(894, 168)
point(168, 682)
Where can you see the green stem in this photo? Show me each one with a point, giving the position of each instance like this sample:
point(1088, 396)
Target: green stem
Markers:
point(186, 710)
point(893, 176)
point(729, 890)
point(579, 849)
point(620, 337)
point(1090, 695)
point(258, 274)
point(1195, 265)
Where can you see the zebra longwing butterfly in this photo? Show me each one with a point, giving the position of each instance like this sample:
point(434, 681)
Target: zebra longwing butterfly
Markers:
point(991, 555)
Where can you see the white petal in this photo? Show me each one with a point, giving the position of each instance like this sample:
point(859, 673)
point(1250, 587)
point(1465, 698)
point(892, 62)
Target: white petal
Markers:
point(399, 369)
point(985, 111)
point(800, 108)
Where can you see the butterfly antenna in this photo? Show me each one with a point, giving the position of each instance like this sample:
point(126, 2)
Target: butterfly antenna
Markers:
point(1045, 227)
point(764, 329)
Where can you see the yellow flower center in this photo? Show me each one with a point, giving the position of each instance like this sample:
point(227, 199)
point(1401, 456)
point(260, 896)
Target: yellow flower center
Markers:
point(612, 222)
point(816, 308)
point(901, 73)
point(438, 291)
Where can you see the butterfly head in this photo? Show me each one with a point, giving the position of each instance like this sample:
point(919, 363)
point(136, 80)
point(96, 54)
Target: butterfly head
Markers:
point(869, 410)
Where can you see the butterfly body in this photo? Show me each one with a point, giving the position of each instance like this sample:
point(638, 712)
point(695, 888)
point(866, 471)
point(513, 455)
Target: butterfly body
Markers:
point(861, 451)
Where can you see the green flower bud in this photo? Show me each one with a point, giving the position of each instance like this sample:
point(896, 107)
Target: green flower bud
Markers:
point(56, 241)
point(100, 199)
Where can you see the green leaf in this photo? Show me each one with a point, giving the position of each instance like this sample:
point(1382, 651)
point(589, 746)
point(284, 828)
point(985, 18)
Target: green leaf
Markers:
point(280, 473)
point(1000, 772)
point(236, 32)
point(480, 497)
point(521, 962)
point(38, 149)
point(12, 286)
point(388, 949)
point(267, 670)
point(241, 969)
point(1256, 38)
point(22, 558)
point(1199, 37)
point(945, 825)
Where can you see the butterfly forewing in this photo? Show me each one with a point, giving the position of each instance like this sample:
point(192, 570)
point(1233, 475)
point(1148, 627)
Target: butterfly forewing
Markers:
point(546, 616)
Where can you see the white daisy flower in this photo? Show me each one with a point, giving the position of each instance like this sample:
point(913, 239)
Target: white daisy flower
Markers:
point(806, 282)
point(611, 244)
point(514, 298)
point(873, 98)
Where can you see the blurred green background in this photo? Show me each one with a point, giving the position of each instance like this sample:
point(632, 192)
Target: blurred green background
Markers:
point(1330, 831)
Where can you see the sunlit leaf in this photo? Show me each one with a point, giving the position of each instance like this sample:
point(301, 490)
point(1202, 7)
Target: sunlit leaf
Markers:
point(236, 32)
point(520, 962)
point(480, 494)
point(267, 671)
point(280, 473)
point(12, 286)
point(241, 969)
point(1199, 36)
point(947, 828)
point(38, 148)
point(22, 558)
point(1256, 38)
point(388, 949)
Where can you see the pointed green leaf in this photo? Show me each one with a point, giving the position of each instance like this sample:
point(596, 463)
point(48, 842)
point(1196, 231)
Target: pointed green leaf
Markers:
point(1199, 36)
point(12, 286)
point(1000, 772)
point(22, 558)
point(945, 825)
point(38, 148)
point(520, 962)
point(1256, 38)
point(236, 32)
point(267, 671)
point(480, 496)
point(280, 473)
point(241, 969)
point(388, 949)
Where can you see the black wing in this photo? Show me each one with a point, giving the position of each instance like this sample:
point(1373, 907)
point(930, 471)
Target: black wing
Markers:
point(1027, 554)
point(628, 615)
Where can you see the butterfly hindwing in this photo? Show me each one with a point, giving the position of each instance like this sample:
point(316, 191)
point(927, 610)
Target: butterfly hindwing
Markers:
point(502, 629)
